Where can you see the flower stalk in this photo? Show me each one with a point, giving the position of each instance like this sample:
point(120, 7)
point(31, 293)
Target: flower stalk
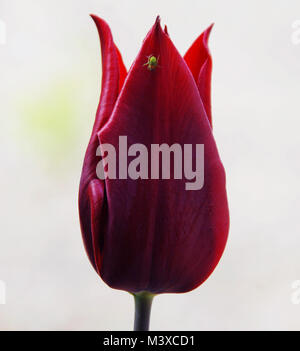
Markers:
point(143, 303)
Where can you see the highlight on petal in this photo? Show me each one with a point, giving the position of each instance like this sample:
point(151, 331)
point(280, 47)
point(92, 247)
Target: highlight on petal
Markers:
point(199, 60)
point(160, 237)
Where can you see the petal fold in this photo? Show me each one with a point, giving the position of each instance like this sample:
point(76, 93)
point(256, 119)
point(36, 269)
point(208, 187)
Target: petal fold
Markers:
point(96, 195)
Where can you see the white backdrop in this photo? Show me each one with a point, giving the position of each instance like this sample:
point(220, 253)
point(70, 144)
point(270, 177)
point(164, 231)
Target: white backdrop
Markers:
point(49, 87)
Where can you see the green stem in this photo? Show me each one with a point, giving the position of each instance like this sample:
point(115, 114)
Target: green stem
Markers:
point(143, 302)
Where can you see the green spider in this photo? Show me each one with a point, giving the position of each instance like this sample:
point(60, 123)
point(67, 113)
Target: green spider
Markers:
point(152, 62)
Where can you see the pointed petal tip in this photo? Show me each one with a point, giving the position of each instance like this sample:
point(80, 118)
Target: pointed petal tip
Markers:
point(98, 21)
point(157, 25)
point(207, 31)
point(205, 36)
point(166, 30)
point(156, 29)
point(211, 26)
point(94, 17)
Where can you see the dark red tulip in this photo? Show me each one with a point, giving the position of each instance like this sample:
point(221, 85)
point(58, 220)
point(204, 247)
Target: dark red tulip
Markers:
point(152, 234)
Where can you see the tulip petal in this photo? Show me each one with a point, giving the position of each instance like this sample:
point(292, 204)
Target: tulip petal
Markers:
point(96, 194)
point(160, 237)
point(166, 30)
point(113, 76)
point(113, 73)
point(199, 60)
point(122, 69)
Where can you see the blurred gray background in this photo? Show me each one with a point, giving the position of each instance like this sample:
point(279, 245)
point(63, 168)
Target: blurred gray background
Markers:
point(50, 76)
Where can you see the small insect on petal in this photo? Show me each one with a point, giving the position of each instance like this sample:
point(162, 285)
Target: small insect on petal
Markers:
point(152, 62)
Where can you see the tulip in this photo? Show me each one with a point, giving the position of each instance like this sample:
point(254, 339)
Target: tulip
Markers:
point(152, 236)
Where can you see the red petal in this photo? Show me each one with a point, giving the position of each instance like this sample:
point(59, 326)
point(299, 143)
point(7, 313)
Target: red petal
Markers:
point(96, 195)
point(160, 237)
point(166, 30)
point(113, 76)
point(199, 60)
point(122, 69)
point(113, 73)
